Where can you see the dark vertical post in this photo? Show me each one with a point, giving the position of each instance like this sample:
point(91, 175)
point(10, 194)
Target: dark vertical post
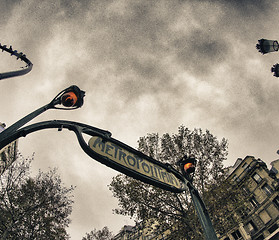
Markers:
point(202, 213)
point(187, 166)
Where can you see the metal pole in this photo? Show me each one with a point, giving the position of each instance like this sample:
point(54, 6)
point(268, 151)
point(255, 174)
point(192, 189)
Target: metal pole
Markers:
point(23, 121)
point(202, 213)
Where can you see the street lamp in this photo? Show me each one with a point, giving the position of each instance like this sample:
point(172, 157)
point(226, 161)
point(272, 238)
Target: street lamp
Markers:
point(70, 98)
point(187, 166)
point(266, 46)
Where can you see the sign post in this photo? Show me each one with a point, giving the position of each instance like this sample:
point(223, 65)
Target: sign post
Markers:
point(121, 157)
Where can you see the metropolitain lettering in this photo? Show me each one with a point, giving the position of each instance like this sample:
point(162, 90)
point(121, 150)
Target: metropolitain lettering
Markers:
point(132, 161)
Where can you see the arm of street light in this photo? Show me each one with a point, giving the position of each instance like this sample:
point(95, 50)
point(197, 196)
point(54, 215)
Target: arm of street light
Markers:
point(77, 127)
point(23, 121)
point(135, 164)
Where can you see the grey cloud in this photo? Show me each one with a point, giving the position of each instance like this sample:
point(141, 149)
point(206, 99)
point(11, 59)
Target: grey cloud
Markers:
point(6, 7)
point(137, 44)
point(247, 7)
point(199, 51)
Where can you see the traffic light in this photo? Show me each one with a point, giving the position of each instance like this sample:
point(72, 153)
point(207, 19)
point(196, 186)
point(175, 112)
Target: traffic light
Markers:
point(187, 166)
point(72, 97)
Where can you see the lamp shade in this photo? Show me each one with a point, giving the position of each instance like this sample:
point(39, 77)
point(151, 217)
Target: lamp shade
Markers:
point(265, 46)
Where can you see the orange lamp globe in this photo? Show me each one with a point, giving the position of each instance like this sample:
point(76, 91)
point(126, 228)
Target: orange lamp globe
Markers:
point(69, 99)
point(189, 167)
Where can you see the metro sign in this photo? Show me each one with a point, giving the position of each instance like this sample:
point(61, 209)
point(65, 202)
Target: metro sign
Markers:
point(135, 164)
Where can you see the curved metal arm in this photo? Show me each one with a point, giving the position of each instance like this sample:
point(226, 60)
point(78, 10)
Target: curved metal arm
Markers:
point(23, 121)
point(166, 177)
point(78, 128)
point(20, 56)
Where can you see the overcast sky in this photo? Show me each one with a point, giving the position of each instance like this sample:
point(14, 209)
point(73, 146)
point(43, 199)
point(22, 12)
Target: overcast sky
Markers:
point(146, 66)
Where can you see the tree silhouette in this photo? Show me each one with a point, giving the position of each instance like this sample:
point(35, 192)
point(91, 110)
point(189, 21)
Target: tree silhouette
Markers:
point(33, 207)
point(104, 234)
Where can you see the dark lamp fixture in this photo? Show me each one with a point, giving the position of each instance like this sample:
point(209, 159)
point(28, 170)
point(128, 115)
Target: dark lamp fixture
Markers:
point(265, 46)
point(189, 167)
point(69, 99)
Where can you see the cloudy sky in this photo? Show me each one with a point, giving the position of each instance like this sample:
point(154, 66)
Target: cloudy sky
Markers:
point(146, 66)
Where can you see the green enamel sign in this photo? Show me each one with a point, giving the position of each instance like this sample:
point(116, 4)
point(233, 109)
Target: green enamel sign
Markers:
point(135, 164)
